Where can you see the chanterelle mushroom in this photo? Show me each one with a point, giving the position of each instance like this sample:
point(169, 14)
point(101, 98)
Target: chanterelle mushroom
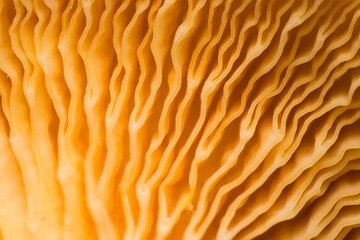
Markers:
point(179, 119)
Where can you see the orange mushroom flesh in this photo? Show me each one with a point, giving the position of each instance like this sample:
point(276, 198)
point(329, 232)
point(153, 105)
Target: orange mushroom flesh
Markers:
point(179, 119)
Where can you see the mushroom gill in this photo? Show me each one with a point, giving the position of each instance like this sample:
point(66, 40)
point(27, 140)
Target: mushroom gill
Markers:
point(179, 119)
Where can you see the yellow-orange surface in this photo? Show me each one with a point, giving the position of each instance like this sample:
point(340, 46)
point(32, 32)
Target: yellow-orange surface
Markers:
point(179, 119)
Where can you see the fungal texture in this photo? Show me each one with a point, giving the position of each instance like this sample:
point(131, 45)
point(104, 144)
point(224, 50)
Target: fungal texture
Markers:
point(179, 119)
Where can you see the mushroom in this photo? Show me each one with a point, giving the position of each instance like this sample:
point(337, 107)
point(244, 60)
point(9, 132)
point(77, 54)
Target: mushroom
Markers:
point(175, 119)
